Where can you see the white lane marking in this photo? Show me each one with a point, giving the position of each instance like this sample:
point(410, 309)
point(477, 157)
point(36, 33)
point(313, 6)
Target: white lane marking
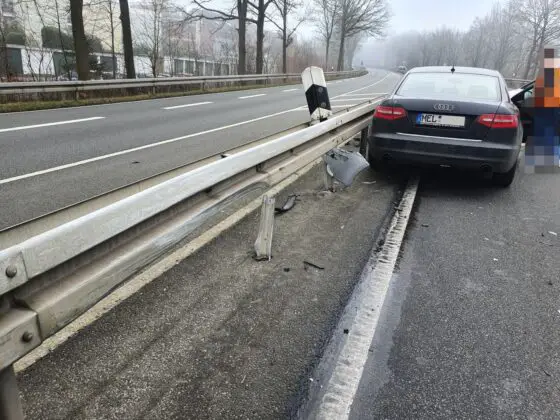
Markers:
point(252, 96)
point(348, 99)
point(343, 384)
point(187, 105)
point(365, 87)
point(27, 127)
point(289, 90)
point(366, 94)
point(344, 106)
point(147, 146)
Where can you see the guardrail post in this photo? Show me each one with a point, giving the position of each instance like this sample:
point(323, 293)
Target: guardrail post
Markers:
point(10, 404)
point(263, 244)
point(328, 178)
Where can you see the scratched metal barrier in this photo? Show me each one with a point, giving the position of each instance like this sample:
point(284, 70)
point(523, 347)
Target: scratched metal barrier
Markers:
point(49, 279)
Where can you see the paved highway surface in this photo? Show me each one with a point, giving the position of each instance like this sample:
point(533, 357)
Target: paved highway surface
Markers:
point(52, 159)
point(471, 327)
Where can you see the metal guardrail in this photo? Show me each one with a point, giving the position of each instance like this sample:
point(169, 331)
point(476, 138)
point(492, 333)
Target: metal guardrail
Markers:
point(49, 279)
point(154, 83)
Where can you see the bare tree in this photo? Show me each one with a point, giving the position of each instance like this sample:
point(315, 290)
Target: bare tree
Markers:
point(110, 8)
point(260, 9)
point(285, 9)
point(503, 43)
point(352, 45)
point(80, 42)
point(475, 43)
point(327, 11)
point(127, 39)
point(368, 17)
point(150, 34)
point(238, 13)
point(542, 21)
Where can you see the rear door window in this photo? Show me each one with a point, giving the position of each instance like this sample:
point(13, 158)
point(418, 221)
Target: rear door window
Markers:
point(451, 86)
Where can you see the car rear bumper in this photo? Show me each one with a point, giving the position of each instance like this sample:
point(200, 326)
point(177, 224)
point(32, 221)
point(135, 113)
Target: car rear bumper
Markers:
point(461, 153)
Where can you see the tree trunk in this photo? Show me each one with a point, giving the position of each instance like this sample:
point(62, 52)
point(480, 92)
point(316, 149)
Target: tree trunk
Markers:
point(340, 66)
point(80, 42)
point(242, 34)
point(328, 42)
point(260, 37)
point(284, 58)
point(113, 56)
point(127, 40)
point(529, 60)
point(284, 36)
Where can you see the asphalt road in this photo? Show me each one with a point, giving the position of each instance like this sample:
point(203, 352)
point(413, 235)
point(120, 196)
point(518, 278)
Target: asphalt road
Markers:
point(471, 326)
point(53, 159)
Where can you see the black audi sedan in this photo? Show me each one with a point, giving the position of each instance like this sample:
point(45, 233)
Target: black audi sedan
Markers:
point(459, 117)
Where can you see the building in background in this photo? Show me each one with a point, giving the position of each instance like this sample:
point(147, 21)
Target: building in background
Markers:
point(6, 12)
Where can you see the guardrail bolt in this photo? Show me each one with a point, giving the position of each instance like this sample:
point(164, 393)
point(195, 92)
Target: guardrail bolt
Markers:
point(11, 271)
point(27, 337)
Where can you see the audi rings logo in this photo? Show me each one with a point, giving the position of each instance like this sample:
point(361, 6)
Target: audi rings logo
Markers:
point(444, 107)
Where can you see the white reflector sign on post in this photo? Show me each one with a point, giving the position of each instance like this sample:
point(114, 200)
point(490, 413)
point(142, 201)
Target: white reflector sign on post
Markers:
point(316, 93)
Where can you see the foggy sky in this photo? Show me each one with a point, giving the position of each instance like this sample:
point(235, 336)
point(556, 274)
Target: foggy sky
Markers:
point(429, 14)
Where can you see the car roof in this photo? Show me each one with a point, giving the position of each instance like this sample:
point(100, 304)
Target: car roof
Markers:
point(447, 69)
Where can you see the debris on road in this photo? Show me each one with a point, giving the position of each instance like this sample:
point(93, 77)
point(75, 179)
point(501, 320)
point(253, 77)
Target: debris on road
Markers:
point(288, 205)
point(552, 233)
point(310, 264)
point(345, 165)
point(495, 259)
point(425, 225)
point(346, 331)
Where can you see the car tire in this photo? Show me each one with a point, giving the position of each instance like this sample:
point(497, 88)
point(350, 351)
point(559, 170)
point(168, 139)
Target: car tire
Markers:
point(504, 179)
point(374, 163)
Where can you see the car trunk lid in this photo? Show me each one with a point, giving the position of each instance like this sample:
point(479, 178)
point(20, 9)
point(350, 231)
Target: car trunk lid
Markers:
point(443, 118)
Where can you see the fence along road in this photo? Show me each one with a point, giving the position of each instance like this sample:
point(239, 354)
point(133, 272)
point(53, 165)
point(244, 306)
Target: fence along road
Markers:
point(53, 159)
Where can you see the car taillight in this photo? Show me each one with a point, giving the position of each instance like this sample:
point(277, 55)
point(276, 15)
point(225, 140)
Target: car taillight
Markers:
point(389, 112)
point(499, 120)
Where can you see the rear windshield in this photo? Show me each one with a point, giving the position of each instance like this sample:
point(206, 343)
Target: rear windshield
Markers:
point(448, 85)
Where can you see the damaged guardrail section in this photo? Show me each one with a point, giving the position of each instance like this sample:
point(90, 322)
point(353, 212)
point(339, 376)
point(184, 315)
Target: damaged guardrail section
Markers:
point(48, 280)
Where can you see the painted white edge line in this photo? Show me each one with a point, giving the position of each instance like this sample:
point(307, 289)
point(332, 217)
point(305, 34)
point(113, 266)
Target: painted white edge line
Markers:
point(153, 272)
point(252, 96)
point(365, 94)
point(349, 366)
point(290, 90)
point(187, 105)
point(28, 127)
point(135, 149)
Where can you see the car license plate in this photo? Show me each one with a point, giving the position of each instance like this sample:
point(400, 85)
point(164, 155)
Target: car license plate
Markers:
point(440, 120)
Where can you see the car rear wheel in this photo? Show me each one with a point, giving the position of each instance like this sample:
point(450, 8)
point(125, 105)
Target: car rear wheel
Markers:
point(504, 179)
point(374, 163)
